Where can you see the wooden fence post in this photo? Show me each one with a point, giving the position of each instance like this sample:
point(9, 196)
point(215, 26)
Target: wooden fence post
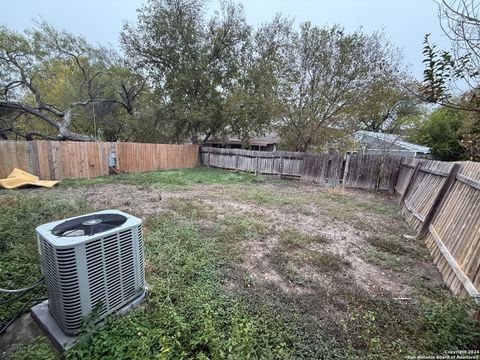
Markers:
point(438, 200)
point(410, 183)
point(280, 166)
point(395, 178)
point(345, 171)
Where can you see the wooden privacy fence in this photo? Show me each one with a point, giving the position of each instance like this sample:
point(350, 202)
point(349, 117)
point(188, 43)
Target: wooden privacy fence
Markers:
point(359, 171)
point(58, 160)
point(442, 201)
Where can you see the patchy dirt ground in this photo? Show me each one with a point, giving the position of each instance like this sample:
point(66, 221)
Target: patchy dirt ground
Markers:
point(310, 237)
point(315, 269)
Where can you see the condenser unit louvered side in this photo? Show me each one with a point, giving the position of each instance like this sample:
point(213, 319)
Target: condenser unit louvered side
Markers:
point(103, 272)
point(61, 278)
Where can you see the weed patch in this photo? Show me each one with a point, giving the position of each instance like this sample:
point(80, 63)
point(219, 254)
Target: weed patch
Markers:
point(189, 314)
point(259, 196)
point(384, 259)
point(388, 245)
point(19, 260)
point(290, 239)
point(327, 261)
point(189, 208)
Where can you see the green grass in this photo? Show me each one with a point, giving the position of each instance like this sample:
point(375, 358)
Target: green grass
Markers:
point(170, 178)
point(385, 260)
point(189, 313)
point(258, 196)
point(291, 239)
point(189, 208)
point(37, 350)
point(19, 259)
point(327, 261)
point(205, 304)
point(394, 253)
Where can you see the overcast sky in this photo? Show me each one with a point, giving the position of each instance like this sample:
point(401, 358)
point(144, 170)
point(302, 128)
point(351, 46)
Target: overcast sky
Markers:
point(405, 22)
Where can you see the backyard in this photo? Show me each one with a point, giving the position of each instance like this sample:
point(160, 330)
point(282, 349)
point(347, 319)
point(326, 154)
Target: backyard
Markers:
point(242, 266)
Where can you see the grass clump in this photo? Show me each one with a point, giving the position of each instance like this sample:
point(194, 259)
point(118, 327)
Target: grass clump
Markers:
point(259, 196)
point(189, 208)
point(385, 260)
point(171, 178)
point(388, 245)
point(290, 239)
point(234, 232)
point(19, 259)
point(327, 261)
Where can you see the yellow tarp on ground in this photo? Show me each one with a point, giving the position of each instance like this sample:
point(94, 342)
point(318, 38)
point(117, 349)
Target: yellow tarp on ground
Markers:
point(18, 178)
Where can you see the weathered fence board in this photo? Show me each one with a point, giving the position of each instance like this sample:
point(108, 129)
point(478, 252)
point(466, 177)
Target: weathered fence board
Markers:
point(453, 236)
point(372, 172)
point(58, 160)
point(363, 171)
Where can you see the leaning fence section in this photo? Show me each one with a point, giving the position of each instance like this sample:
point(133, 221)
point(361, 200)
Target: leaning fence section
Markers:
point(59, 160)
point(442, 201)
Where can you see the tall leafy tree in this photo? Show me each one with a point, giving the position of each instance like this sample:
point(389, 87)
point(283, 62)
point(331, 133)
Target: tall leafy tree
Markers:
point(50, 81)
point(387, 107)
point(322, 74)
point(203, 70)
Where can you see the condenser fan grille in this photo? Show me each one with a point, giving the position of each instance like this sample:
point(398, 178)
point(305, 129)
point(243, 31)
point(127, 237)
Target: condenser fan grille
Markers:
point(89, 225)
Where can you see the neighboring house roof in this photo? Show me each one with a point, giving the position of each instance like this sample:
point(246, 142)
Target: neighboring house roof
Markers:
point(393, 139)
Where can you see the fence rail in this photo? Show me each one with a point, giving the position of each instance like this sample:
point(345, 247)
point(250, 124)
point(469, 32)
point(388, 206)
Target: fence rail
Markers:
point(57, 160)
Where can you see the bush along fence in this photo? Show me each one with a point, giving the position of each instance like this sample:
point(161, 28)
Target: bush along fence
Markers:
point(57, 160)
point(441, 200)
point(358, 171)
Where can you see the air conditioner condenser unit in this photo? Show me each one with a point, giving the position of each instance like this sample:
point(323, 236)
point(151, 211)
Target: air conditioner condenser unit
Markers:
point(94, 261)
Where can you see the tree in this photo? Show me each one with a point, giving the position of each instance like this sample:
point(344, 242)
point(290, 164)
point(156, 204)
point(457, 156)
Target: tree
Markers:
point(388, 107)
point(53, 77)
point(441, 132)
point(322, 74)
point(203, 70)
point(448, 72)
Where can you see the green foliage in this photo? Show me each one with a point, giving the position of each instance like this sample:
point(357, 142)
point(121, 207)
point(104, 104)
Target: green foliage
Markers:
point(323, 73)
point(451, 325)
point(19, 260)
point(388, 245)
point(259, 196)
point(53, 77)
point(441, 132)
point(37, 350)
point(206, 72)
point(292, 239)
point(188, 314)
